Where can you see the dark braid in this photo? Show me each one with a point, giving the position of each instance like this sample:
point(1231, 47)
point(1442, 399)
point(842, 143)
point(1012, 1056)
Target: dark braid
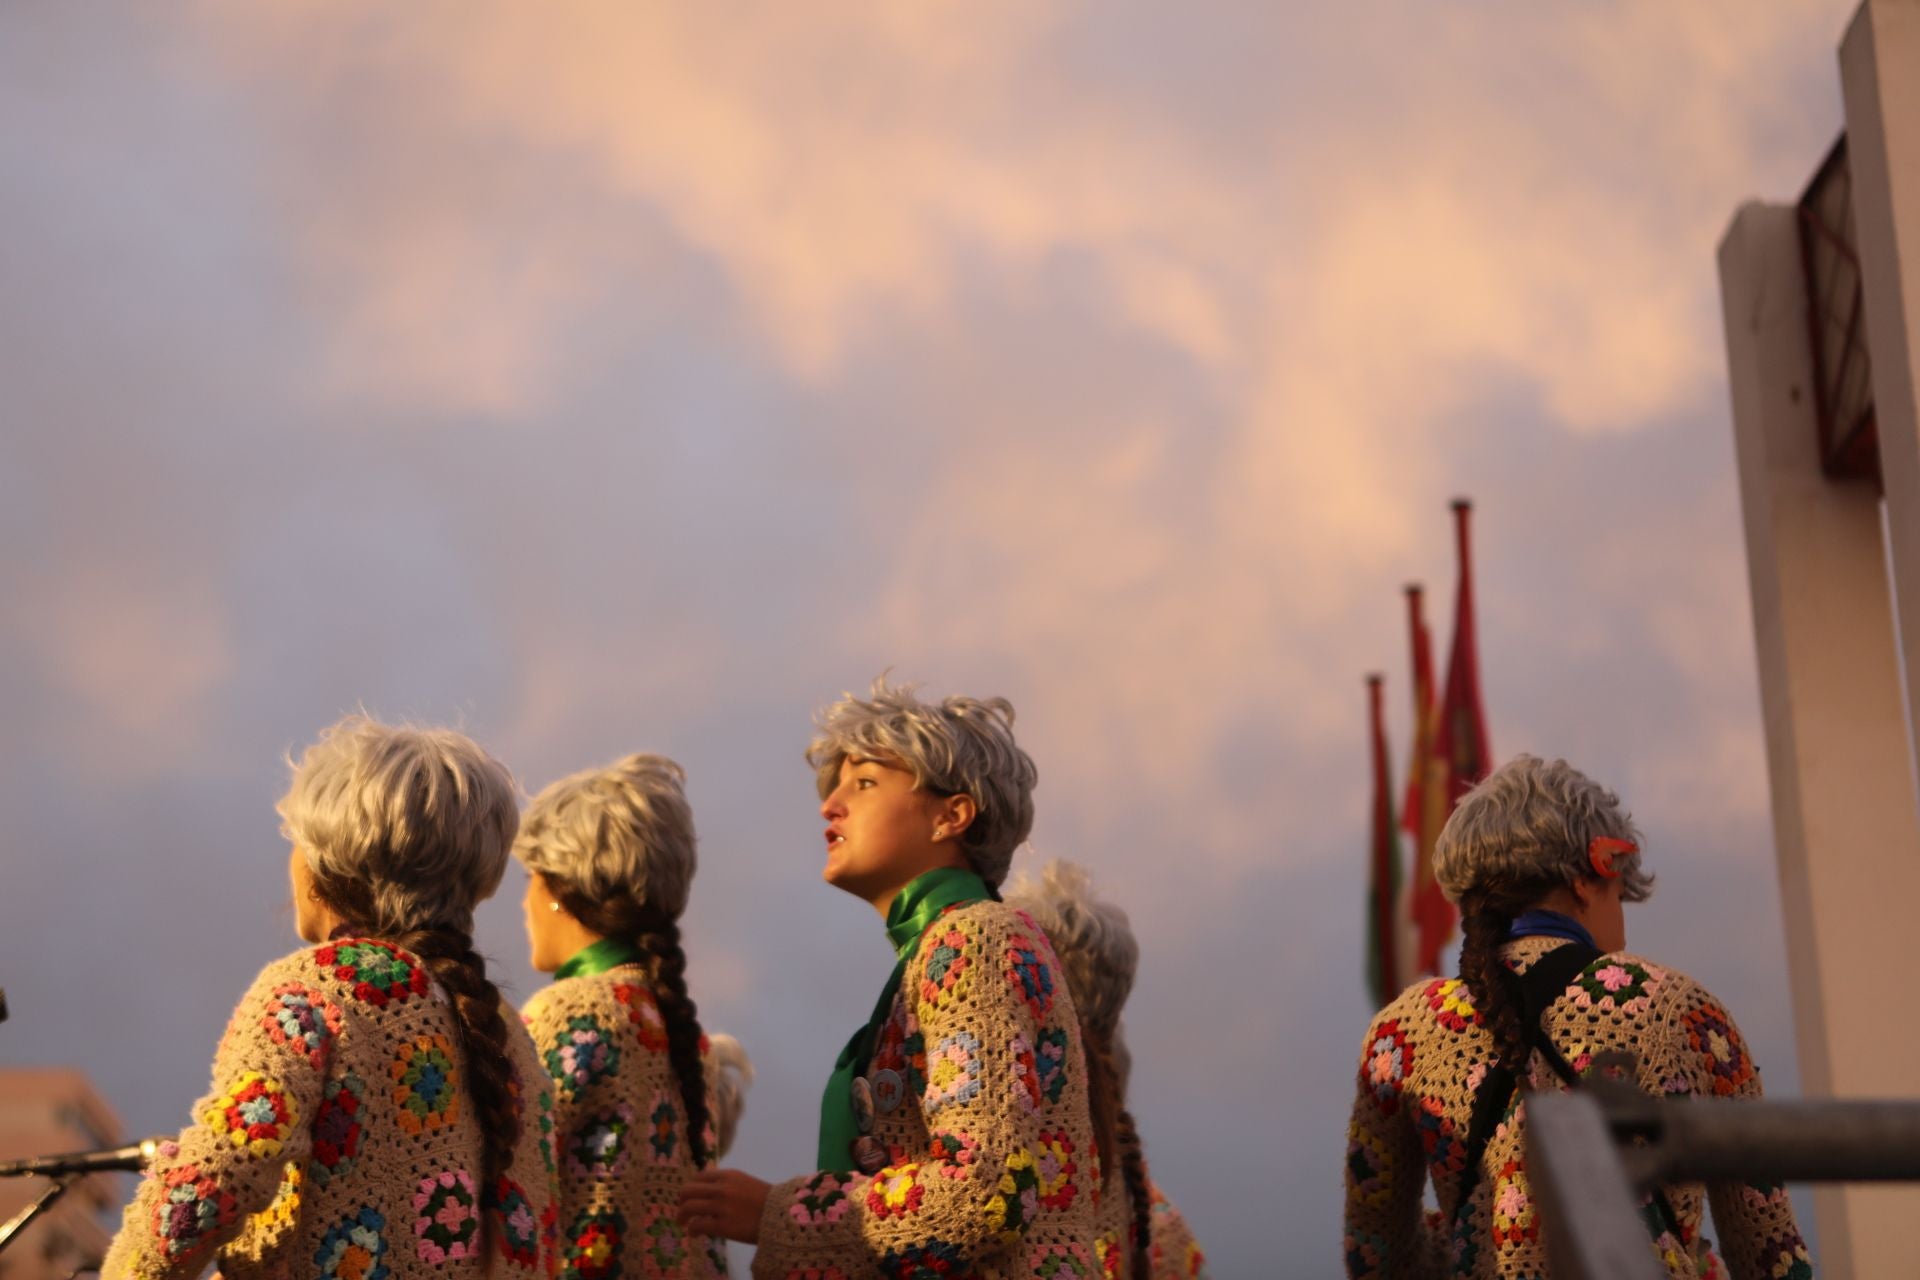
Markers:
point(662, 944)
point(1133, 1161)
point(1486, 918)
point(1118, 1140)
point(461, 972)
point(658, 935)
point(449, 958)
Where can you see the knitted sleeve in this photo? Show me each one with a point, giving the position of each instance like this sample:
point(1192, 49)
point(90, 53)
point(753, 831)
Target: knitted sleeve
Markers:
point(1700, 1052)
point(269, 1076)
point(985, 989)
point(1384, 1231)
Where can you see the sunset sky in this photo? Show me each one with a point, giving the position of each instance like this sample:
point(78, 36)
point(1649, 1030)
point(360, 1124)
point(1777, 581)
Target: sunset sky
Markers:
point(639, 377)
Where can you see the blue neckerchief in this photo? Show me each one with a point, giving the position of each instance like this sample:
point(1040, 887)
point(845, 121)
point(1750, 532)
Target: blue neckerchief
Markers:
point(1541, 923)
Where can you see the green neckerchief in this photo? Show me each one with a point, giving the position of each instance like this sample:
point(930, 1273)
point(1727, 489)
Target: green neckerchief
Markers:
point(917, 907)
point(598, 957)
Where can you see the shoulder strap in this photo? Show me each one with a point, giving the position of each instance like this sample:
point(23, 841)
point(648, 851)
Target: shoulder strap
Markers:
point(1536, 990)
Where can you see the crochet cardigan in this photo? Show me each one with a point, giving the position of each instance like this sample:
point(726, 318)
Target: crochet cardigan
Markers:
point(1172, 1254)
point(620, 1126)
point(1425, 1055)
point(981, 1101)
point(339, 1141)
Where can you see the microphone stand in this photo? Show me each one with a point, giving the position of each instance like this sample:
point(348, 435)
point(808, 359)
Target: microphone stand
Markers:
point(57, 1188)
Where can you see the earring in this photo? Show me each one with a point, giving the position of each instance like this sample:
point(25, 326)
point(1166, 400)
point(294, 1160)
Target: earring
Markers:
point(553, 906)
point(939, 833)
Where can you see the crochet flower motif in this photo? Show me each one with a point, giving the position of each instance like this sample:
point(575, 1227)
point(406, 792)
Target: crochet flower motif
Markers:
point(1389, 1060)
point(1710, 1033)
point(354, 1249)
point(1193, 1263)
point(303, 1020)
point(1050, 1052)
point(1366, 1254)
point(1016, 1199)
point(424, 1086)
point(820, 1200)
point(549, 1140)
point(895, 1191)
point(514, 1224)
point(1053, 1162)
point(191, 1209)
point(374, 972)
point(1025, 1077)
point(955, 1153)
point(1369, 1167)
point(1030, 975)
point(581, 1054)
point(1514, 1222)
point(643, 1012)
point(947, 972)
point(1063, 1260)
point(599, 1146)
point(1452, 1004)
point(1439, 1138)
point(930, 1260)
point(662, 1136)
point(1611, 985)
point(593, 1246)
point(284, 1208)
point(449, 1223)
point(953, 1072)
point(254, 1114)
point(1786, 1258)
point(903, 1051)
point(664, 1253)
point(336, 1128)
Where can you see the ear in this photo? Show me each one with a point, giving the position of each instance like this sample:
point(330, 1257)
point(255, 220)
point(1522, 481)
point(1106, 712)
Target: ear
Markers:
point(953, 815)
point(1586, 891)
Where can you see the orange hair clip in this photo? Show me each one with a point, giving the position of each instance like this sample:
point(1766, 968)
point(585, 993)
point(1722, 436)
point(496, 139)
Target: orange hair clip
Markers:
point(1602, 850)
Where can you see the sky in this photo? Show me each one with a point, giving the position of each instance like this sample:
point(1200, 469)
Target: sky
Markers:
point(617, 377)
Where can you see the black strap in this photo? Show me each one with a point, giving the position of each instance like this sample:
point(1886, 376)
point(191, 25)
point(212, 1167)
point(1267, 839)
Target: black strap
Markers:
point(1535, 991)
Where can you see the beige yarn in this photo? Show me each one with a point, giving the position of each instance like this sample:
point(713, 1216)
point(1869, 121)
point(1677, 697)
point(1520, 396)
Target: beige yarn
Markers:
point(339, 1140)
point(620, 1125)
point(1425, 1056)
point(988, 1133)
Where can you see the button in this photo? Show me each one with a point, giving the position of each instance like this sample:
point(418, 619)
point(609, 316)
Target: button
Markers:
point(889, 1090)
point(862, 1104)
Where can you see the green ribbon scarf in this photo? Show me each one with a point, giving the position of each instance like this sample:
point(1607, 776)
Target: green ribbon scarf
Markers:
point(917, 907)
point(598, 957)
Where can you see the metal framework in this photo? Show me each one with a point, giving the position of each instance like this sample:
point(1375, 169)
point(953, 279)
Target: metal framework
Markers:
point(1594, 1152)
point(1836, 333)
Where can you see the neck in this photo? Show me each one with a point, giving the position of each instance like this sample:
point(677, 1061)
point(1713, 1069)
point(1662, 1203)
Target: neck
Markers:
point(883, 900)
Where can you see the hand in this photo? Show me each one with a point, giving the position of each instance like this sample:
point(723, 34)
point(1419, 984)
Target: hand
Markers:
point(725, 1203)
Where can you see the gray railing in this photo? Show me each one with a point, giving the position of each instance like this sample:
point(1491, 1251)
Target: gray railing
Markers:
point(1594, 1152)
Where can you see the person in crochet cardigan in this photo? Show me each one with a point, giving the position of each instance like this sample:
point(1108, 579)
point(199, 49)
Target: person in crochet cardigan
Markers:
point(610, 860)
point(1539, 857)
point(371, 1111)
point(955, 1132)
point(1100, 957)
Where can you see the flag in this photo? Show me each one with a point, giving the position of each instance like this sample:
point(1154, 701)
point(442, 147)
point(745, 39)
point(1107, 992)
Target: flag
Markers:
point(1461, 744)
point(1383, 880)
point(1426, 917)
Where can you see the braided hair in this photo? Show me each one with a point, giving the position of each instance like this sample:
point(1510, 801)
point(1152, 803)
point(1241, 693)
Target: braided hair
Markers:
point(657, 935)
point(1486, 918)
point(449, 958)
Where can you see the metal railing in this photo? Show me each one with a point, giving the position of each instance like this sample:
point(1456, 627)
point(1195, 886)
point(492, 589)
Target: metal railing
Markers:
point(1594, 1152)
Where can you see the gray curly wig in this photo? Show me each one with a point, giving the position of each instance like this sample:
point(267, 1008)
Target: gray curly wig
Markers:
point(1530, 823)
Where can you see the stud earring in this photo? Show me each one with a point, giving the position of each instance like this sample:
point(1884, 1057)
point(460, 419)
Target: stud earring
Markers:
point(553, 906)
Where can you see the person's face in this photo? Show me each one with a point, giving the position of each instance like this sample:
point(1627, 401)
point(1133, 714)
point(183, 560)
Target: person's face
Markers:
point(310, 920)
point(881, 832)
point(544, 926)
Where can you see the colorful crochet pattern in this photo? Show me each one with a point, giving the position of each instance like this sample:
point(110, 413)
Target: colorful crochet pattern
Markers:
point(1427, 1052)
point(621, 1130)
point(1173, 1253)
point(338, 1142)
point(985, 1118)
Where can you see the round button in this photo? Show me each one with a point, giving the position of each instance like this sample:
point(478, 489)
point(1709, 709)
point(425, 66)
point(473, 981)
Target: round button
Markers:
point(889, 1090)
point(862, 1104)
